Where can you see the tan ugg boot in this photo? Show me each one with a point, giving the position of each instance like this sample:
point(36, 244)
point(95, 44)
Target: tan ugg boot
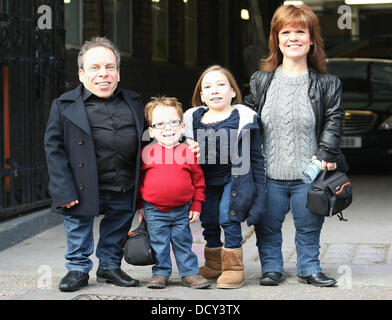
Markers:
point(233, 274)
point(212, 266)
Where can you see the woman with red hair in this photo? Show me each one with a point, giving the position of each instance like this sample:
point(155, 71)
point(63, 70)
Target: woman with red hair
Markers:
point(302, 116)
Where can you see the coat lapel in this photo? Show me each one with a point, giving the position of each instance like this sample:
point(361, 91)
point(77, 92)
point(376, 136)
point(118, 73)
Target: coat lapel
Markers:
point(76, 113)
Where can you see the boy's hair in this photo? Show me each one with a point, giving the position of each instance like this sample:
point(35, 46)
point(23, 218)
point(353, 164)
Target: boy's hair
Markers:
point(162, 102)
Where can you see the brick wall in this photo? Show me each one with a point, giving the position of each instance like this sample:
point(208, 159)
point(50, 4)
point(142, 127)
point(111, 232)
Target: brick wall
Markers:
point(172, 78)
point(176, 32)
point(92, 18)
point(205, 32)
point(142, 47)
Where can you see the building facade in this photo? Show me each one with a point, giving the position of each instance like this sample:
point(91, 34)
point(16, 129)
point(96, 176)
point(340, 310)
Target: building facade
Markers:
point(165, 44)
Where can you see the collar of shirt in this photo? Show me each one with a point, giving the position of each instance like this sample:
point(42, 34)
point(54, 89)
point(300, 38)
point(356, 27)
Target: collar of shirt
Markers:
point(87, 94)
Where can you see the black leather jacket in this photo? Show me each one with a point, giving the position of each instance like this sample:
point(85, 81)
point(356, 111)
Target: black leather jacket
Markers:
point(325, 91)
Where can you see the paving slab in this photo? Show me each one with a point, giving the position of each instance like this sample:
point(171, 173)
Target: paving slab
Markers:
point(358, 253)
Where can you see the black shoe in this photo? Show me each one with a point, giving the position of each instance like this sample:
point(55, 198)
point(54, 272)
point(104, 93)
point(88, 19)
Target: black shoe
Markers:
point(73, 281)
point(115, 276)
point(318, 279)
point(271, 278)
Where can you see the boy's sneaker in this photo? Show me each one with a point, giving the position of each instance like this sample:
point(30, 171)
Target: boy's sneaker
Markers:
point(158, 281)
point(196, 281)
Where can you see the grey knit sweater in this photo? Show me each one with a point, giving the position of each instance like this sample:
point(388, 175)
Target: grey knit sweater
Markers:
point(289, 127)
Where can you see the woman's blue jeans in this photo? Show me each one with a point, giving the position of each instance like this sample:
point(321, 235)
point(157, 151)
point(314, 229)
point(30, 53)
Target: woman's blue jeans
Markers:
point(215, 214)
point(281, 197)
point(173, 228)
point(113, 228)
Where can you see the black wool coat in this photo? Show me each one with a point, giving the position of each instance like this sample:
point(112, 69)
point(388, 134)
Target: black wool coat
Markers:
point(70, 153)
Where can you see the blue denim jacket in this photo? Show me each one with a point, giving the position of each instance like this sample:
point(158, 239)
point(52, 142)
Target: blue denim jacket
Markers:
point(248, 190)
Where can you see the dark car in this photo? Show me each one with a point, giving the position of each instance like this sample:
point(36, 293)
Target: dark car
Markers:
point(367, 100)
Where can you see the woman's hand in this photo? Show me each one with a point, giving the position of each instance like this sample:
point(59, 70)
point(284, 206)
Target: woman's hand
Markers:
point(324, 164)
point(329, 165)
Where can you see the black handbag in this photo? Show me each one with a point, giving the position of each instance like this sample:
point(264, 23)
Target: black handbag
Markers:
point(330, 194)
point(137, 247)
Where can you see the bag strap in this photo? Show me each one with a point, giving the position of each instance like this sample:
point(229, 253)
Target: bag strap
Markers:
point(142, 225)
point(340, 216)
point(323, 175)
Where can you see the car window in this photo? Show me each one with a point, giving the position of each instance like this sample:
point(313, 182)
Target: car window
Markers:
point(381, 78)
point(353, 75)
point(362, 80)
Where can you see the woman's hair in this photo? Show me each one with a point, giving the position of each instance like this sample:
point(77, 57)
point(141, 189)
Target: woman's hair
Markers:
point(196, 98)
point(301, 16)
point(167, 102)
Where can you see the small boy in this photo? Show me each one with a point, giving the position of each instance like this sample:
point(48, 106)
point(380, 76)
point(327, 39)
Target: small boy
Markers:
point(171, 191)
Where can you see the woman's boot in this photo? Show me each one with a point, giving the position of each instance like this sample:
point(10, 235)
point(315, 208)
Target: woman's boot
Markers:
point(233, 274)
point(212, 266)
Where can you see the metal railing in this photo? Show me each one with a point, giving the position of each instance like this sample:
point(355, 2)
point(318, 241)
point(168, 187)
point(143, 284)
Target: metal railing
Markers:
point(31, 76)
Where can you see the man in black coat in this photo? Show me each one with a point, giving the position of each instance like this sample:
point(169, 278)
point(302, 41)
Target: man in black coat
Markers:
point(92, 143)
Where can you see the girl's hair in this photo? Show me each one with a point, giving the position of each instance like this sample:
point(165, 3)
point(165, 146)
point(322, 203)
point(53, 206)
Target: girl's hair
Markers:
point(301, 16)
point(169, 102)
point(196, 98)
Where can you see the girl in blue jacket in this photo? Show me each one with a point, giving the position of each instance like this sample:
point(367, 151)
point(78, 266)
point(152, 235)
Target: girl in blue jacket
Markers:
point(229, 137)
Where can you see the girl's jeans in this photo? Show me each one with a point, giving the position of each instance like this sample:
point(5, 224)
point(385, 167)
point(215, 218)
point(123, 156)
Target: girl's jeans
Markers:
point(215, 214)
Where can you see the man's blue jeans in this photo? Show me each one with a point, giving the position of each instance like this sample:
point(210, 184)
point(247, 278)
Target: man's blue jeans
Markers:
point(113, 229)
point(215, 214)
point(173, 228)
point(281, 197)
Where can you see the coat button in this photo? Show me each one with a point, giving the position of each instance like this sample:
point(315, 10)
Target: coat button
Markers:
point(80, 141)
point(234, 193)
point(232, 212)
point(81, 187)
point(80, 164)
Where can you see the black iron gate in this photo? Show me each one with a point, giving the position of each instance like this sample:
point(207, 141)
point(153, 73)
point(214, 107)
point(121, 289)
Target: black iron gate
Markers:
point(32, 56)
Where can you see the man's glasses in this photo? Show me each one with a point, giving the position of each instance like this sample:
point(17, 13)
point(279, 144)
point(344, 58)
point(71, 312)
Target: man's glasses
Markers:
point(162, 125)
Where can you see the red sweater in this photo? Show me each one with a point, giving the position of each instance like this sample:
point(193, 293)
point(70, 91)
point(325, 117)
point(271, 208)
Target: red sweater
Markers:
point(170, 178)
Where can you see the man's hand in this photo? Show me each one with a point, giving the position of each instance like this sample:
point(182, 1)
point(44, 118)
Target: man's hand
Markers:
point(69, 204)
point(193, 216)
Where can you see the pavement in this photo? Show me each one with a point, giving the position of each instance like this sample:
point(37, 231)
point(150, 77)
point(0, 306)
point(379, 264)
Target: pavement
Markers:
point(357, 253)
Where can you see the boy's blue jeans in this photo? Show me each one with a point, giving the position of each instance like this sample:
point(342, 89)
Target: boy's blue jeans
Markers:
point(281, 197)
point(113, 229)
point(173, 228)
point(215, 214)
